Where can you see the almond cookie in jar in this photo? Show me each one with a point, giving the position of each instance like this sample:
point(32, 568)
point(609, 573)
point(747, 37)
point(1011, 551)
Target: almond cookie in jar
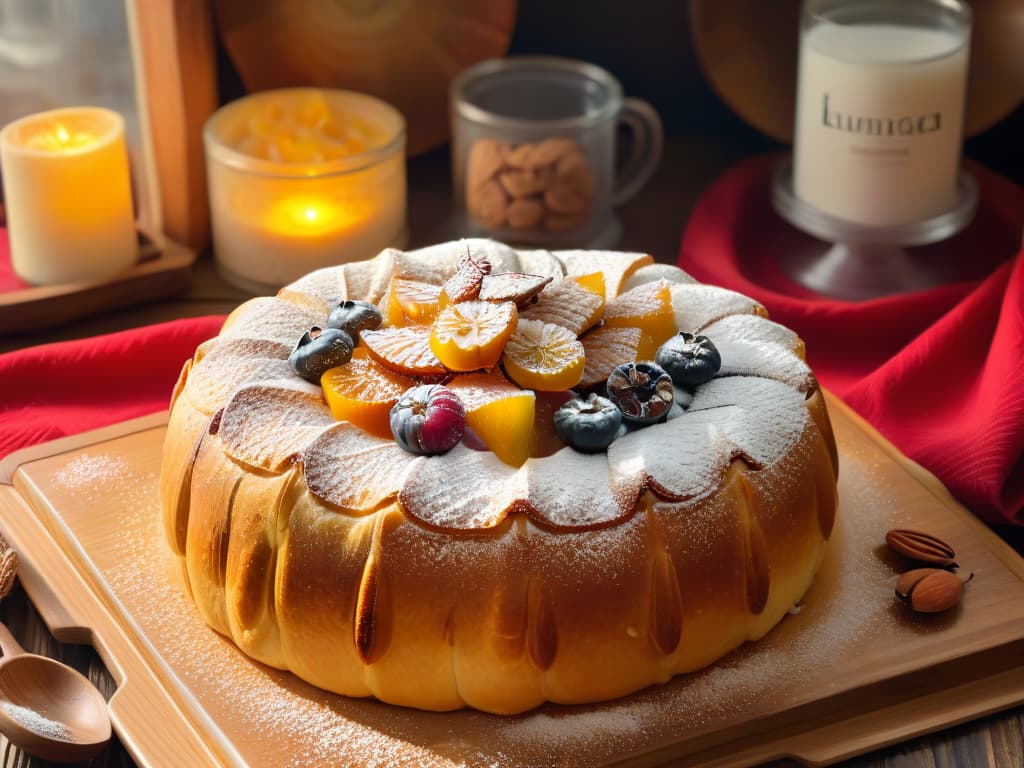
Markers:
point(534, 151)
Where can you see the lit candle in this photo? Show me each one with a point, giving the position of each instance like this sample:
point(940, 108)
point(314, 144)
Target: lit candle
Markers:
point(68, 196)
point(300, 179)
point(880, 109)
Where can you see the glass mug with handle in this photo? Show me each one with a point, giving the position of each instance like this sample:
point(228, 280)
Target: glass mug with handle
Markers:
point(534, 143)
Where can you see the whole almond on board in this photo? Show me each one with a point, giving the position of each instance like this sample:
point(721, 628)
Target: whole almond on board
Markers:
point(921, 546)
point(930, 590)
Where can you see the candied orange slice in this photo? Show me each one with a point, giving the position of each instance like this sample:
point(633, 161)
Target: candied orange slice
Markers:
point(543, 356)
point(499, 413)
point(404, 350)
point(605, 348)
point(594, 282)
point(362, 392)
point(647, 307)
point(411, 302)
point(568, 304)
point(616, 266)
point(471, 335)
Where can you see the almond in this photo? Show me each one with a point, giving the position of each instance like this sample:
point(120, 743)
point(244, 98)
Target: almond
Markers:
point(488, 203)
point(930, 590)
point(921, 546)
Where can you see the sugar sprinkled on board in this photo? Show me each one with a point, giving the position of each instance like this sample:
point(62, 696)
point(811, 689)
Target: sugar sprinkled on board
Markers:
point(89, 472)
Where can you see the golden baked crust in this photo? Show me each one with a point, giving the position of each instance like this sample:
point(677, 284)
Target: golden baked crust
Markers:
point(321, 550)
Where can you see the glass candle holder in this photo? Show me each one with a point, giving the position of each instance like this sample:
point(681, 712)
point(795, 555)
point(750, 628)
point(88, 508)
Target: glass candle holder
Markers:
point(303, 178)
point(880, 101)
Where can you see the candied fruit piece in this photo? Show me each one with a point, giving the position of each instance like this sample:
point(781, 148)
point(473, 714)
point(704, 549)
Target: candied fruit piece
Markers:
point(411, 302)
point(404, 350)
point(649, 308)
point(472, 335)
point(607, 347)
point(499, 413)
point(568, 304)
point(363, 392)
point(543, 356)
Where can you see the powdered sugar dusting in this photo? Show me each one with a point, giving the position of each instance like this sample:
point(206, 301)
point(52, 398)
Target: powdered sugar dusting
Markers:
point(265, 425)
point(766, 360)
point(462, 489)
point(541, 262)
point(272, 319)
point(571, 490)
point(651, 272)
point(697, 305)
point(328, 467)
point(87, 472)
point(752, 329)
point(230, 364)
point(761, 417)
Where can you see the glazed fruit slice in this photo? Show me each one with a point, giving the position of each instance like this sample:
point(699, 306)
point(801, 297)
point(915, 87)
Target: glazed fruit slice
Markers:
point(512, 286)
point(472, 335)
point(404, 350)
point(464, 285)
point(363, 392)
point(544, 357)
point(616, 266)
point(411, 302)
point(498, 412)
point(605, 348)
point(568, 304)
point(649, 308)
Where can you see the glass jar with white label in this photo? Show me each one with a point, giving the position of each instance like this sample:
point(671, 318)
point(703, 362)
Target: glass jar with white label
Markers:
point(880, 101)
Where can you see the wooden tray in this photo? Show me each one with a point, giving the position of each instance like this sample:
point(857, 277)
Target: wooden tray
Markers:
point(163, 269)
point(849, 672)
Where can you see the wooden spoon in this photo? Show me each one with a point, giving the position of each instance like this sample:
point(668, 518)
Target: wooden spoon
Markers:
point(47, 708)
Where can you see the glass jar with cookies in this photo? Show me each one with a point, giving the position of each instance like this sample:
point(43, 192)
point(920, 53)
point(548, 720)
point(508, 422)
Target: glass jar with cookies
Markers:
point(534, 151)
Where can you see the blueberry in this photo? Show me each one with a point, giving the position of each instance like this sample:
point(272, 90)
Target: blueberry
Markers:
point(690, 360)
point(354, 317)
point(428, 419)
point(642, 391)
point(588, 425)
point(318, 350)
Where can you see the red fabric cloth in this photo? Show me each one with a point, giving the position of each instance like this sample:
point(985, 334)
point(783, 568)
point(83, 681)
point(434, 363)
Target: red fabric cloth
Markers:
point(939, 372)
point(60, 389)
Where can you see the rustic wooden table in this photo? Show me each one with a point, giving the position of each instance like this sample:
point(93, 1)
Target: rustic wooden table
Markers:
point(652, 222)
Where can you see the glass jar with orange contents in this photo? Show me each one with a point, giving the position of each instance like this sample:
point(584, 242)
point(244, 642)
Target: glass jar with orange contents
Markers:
point(302, 178)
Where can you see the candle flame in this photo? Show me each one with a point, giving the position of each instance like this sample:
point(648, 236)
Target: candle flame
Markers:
point(62, 134)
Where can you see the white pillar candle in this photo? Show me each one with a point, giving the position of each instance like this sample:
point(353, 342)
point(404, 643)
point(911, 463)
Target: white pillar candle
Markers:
point(879, 120)
point(302, 178)
point(68, 196)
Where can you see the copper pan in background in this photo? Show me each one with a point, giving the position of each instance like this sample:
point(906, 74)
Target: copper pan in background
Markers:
point(747, 51)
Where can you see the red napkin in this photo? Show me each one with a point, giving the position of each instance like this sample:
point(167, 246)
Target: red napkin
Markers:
point(939, 372)
point(60, 389)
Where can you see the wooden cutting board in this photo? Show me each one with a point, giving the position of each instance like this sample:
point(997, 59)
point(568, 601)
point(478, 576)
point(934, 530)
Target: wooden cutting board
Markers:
point(848, 672)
